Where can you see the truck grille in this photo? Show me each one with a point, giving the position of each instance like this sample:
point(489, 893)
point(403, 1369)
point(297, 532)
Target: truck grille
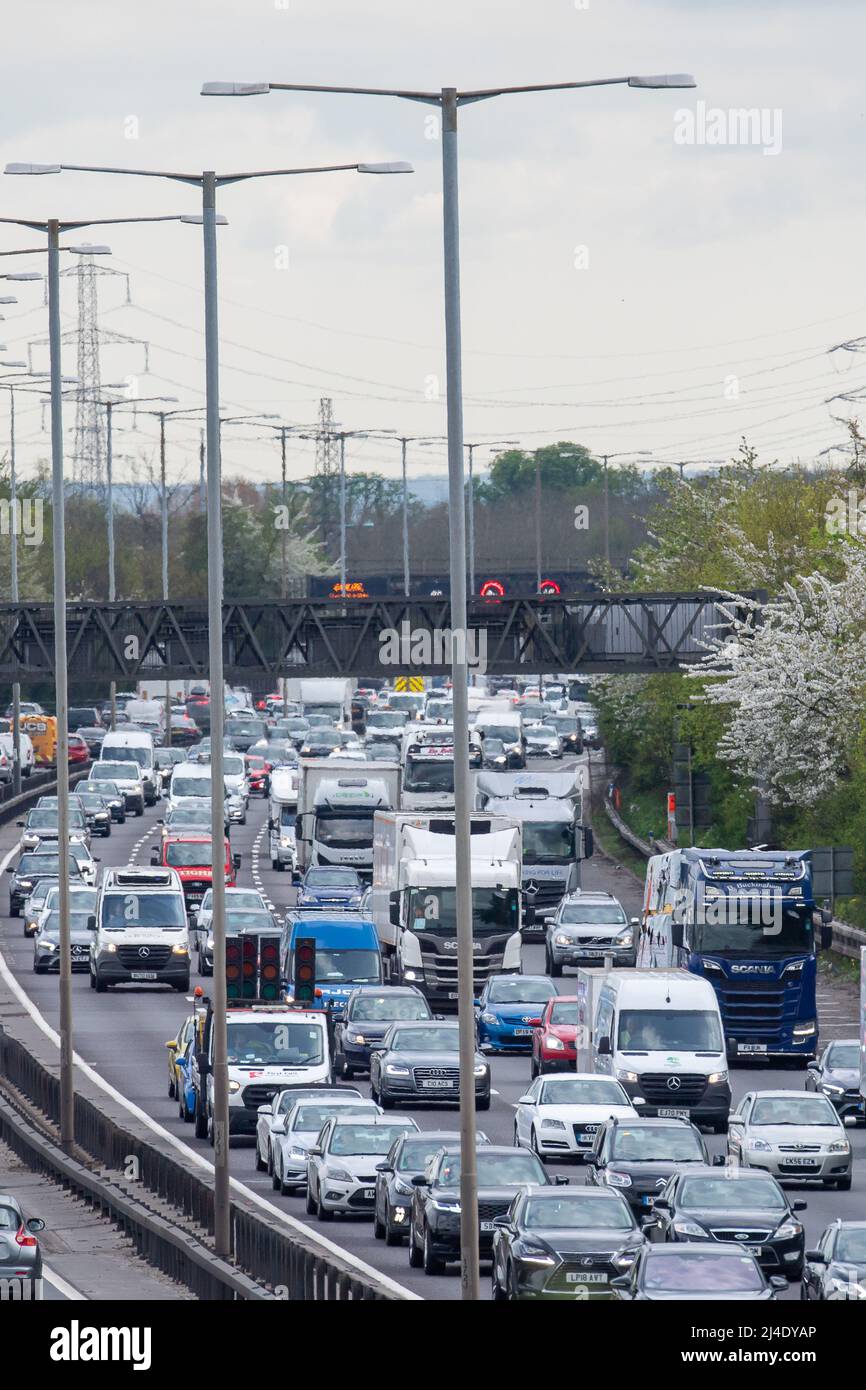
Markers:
point(548, 892)
point(656, 1090)
point(156, 958)
point(756, 1008)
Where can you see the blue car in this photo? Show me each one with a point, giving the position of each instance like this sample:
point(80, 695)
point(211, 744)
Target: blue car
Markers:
point(510, 1010)
point(185, 1088)
point(326, 886)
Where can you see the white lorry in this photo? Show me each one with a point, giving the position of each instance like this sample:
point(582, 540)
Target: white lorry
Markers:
point(331, 697)
point(414, 899)
point(282, 812)
point(336, 804)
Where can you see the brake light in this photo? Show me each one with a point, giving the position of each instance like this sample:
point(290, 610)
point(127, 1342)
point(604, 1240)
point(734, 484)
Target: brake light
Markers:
point(23, 1237)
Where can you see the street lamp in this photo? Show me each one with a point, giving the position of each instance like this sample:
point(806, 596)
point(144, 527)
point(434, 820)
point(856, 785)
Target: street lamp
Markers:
point(449, 100)
point(626, 453)
point(404, 441)
point(209, 182)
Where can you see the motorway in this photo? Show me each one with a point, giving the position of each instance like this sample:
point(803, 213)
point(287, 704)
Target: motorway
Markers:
point(122, 1035)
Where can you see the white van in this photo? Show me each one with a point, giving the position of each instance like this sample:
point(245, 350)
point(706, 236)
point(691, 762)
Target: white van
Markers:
point(282, 809)
point(134, 746)
point(659, 1032)
point(28, 757)
point(140, 932)
point(149, 713)
point(189, 783)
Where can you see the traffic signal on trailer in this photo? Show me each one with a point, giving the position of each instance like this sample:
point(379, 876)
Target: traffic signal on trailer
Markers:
point(250, 963)
point(234, 967)
point(305, 970)
point(269, 967)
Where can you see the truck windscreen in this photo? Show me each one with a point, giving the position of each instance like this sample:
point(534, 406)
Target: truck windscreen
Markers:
point(347, 967)
point(345, 832)
point(753, 926)
point(435, 909)
point(435, 775)
point(547, 841)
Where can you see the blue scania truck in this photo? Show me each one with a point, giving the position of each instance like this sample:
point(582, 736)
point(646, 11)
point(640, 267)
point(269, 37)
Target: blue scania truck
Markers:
point(746, 920)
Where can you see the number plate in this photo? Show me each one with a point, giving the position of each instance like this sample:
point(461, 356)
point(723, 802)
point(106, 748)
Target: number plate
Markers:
point(452, 994)
point(523, 1032)
point(143, 975)
point(666, 1113)
point(647, 1200)
point(369, 1193)
point(487, 1225)
point(800, 1162)
point(586, 1278)
point(751, 1047)
point(436, 1085)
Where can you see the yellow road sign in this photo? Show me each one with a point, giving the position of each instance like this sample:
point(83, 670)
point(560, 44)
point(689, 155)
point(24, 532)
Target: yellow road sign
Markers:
point(404, 683)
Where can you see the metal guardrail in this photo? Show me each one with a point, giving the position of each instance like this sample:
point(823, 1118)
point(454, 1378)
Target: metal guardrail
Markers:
point(41, 782)
point(292, 1263)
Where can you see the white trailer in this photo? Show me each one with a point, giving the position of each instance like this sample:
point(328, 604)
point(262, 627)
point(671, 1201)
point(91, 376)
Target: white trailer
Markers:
point(336, 803)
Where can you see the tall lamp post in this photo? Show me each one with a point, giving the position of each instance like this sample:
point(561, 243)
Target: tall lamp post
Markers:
point(606, 458)
point(448, 100)
point(208, 182)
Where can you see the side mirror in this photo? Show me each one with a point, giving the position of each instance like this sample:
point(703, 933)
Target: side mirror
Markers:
point(420, 1181)
point(676, 933)
point(588, 842)
point(622, 1281)
point(813, 1066)
point(826, 938)
point(384, 1168)
point(154, 860)
point(19, 822)
point(718, 1162)
point(799, 1205)
point(35, 1224)
point(394, 909)
point(172, 1044)
point(526, 1100)
point(264, 1110)
point(91, 926)
point(778, 1281)
point(604, 1047)
point(315, 1151)
point(501, 1223)
point(735, 1121)
point(271, 825)
point(634, 921)
point(236, 861)
point(660, 1204)
point(816, 1257)
point(590, 1160)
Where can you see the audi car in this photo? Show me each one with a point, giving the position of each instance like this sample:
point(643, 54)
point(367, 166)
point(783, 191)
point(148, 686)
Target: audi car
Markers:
point(559, 1116)
point(419, 1062)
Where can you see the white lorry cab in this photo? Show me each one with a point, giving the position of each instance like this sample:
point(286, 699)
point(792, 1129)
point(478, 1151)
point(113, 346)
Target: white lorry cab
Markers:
point(134, 745)
point(659, 1032)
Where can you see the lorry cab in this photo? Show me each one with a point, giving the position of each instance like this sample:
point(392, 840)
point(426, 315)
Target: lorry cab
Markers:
point(347, 954)
point(135, 745)
point(659, 1032)
point(139, 930)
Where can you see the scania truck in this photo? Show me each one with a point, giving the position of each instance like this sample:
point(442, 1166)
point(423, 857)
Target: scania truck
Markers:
point(414, 899)
point(555, 842)
point(336, 804)
point(745, 920)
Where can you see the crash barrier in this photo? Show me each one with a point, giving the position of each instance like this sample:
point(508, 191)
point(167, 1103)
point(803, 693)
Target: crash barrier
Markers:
point(41, 782)
point(272, 1258)
point(847, 940)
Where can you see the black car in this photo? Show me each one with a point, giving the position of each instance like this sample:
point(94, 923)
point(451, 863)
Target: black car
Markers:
point(836, 1270)
point(570, 732)
point(241, 734)
point(563, 1245)
point(637, 1157)
point(370, 1011)
point(407, 1158)
point(419, 1062)
point(320, 743)
point(740, 1205)
point(97, 812)
point(111, 794)
point(697, 1273)
point(434, 1225)
point(32, 867)
point(837, 1076)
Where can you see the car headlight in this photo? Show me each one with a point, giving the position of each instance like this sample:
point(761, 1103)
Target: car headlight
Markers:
point(489, 1018)
point(339, 1175)
point(839, 1146)
point(716, 1076)
point(209, 944)
point(405, 1189)
point(561, 939)
point(179, 950)
point(532, 1256)
point(691, 1230)
point(394, 1069)
point(47, 945)
point(830, 1089)
point(625, 1259)
point(789, 1229)
point(480, 1068)
point(297, 1152)
point(616, 1179)
point(761, 1145)
point(26, 884)
point(446, 1203)
point(624, 938)
point(110, 946)
point(553, 1044)
point(357, 1038)
point(234, 1086)
point(285, 842)
point(552, 1124)
point(627, 1076)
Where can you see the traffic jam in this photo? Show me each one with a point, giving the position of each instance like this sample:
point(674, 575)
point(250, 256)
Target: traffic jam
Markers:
point(649, 1125)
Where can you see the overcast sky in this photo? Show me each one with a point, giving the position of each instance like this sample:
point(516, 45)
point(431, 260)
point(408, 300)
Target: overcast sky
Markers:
point(620, 287)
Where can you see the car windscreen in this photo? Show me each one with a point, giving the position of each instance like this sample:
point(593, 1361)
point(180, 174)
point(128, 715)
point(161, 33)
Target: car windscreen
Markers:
point(120, 772)
point(181, 855)
point(656, 1144)
point(342, 832)
point(429, 774)
point(798, 1110)
point(654, 1030)
point(77, 923)
point(312, 1117)
point(695, 1272)
point(190, 815)
point(386, 719)
point(48, 865)
point(415, 1154)
point(597, 915)
point(141, 755)
point(382, 1008)
point(233, 767)
point(353, 1140)
point(494, 1170)
point(517, 990)
point(568, 1090)
point(47, 819)
point(332, 878)
point(81, 899)
point(143, 910)
point(734, 1190)
point(576, 1211)
point(107, 789)
point(190, 786)
point(851, 1247)
point(274, 1043)
point(430, 1039)
point(843, 1056)
point(563, 1012)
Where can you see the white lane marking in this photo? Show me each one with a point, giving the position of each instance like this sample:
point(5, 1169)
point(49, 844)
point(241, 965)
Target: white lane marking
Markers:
point(60, 1284)
point(42, 1024)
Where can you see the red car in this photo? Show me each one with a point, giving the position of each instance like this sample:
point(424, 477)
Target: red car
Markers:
point(258, 774)
point(553, 1044)
point(78, 749)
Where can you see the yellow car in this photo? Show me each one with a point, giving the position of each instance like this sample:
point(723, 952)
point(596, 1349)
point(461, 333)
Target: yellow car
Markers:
point(176, 1048)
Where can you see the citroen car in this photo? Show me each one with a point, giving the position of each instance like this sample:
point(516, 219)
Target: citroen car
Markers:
point(637, 1157)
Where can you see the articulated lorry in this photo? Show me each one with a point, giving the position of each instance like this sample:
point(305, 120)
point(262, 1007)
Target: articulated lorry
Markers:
point(336, 803)
point(414, 899)
point(746, 920)
point(555, 842)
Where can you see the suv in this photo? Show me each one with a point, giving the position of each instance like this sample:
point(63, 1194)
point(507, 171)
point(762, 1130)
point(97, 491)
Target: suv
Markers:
point(139, 930)
point(585, 928)
point(637, 1157)
point(32, 868)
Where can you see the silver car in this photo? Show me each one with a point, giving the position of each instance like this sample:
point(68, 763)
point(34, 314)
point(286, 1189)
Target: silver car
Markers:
point(20, 1252)
point(791, 1134)
point(46, 942)
point(585, 928)
point(341, 1165)
point(291, 1144)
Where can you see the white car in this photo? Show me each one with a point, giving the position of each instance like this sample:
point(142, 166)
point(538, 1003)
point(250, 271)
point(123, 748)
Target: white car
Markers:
point(341, 1165)
point(28, 758)
point(559, 1116)
point(292, 1142)
point(272, 1115)
point(87, 862)
point(237, 899)
point(792, 1135)
point(351, 752)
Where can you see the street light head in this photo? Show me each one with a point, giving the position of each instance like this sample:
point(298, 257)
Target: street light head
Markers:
point(235, 89)
point(400, 167)
point(23, 275)
point(665, 79)
point(88, 248)
point(14, 363)
point(195, 219)
point(32, 169)
point(8, 299)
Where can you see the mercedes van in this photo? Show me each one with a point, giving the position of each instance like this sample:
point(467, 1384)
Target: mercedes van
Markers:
point(139, 930)
point(136, 746)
